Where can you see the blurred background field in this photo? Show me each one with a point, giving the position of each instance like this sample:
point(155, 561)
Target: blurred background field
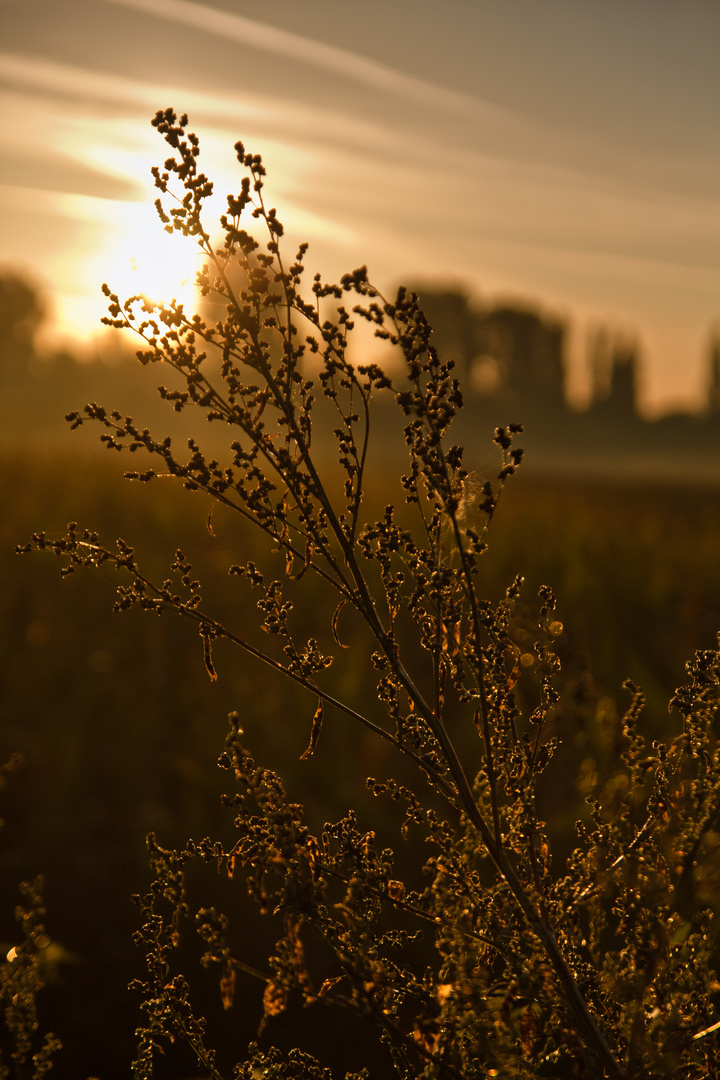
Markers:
point(120, 727)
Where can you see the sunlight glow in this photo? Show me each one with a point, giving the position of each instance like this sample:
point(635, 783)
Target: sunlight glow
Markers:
point(151, 263)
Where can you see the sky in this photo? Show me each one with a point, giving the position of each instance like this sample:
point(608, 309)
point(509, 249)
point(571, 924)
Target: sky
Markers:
point(555, 152)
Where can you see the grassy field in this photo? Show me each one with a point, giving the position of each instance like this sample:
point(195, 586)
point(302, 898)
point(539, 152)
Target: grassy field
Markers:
point(120, 727)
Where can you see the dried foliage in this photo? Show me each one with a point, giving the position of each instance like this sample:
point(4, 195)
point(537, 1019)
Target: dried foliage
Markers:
point(496, 961)
point(24, 971)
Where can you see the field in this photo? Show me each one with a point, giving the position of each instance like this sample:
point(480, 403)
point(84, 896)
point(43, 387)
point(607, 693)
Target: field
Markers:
point(120, 727)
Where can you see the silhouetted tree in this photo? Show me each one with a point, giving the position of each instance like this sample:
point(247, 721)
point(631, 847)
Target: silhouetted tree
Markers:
point(529, 349)
point(504, 351)
point(714, 376)
point(22, 312)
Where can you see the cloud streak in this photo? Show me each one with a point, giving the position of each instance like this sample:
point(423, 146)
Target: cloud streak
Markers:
point(336, 61)
point(361, 172)
point(55, 79)
point(86, 208)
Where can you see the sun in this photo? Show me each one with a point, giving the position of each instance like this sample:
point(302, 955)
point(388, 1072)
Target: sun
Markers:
point(149, 262)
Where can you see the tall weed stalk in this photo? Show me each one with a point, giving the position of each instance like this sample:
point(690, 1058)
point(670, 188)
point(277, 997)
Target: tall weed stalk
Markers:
point(598, 965)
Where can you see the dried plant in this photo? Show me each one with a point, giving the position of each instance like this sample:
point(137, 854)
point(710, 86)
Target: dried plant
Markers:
point(598, 965)
point(23, 974)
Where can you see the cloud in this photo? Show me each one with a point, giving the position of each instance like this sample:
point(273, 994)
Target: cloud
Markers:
point(352, 172)
point(339, 62)
point(76, 207)
point(71, 81)
point(53, 84)
point(52, 119)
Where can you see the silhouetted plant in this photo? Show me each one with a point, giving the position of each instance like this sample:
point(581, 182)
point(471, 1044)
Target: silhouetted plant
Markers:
point(24, 1051)
point(602, 966)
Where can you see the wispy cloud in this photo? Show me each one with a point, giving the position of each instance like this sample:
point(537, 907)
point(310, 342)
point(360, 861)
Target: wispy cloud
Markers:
point(47, 120)
point(346, 168)
point(88, 85)
point(85, 208)
point(52, 84)
point(339, 62)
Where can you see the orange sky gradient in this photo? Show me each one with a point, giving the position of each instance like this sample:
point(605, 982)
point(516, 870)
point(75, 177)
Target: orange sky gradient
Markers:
point(563, 154)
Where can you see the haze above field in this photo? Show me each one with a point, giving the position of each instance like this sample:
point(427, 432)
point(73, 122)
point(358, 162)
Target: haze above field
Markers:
point(564, 152)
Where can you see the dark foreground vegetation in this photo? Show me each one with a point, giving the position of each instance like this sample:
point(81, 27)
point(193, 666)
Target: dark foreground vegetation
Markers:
point(527, 887)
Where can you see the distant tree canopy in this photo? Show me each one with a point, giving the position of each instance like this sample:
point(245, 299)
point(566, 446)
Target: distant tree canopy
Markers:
point(506, 351)
point(714, 374)
point(515, 355)
point(22, 312)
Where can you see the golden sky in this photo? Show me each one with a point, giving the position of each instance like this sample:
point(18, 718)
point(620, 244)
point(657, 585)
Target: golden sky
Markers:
point(560, 152)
